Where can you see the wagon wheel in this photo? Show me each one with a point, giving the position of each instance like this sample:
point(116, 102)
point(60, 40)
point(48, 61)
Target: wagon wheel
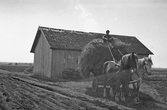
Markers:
point(94, 84)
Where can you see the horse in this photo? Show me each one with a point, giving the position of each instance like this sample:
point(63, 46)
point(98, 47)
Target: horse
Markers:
point(144, 68)
point(128, 62)
point(120, 83)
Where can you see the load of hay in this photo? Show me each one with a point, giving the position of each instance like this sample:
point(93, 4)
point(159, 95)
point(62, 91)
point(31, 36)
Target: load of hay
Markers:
point(95, 53)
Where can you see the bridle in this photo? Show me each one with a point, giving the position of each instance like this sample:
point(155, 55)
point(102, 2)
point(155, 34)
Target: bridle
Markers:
point(145, 68)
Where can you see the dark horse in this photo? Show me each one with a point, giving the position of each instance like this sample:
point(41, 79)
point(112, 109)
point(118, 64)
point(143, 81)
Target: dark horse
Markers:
point(127, 63)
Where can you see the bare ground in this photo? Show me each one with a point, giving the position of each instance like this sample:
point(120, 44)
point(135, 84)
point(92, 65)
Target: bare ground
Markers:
point(21, 92)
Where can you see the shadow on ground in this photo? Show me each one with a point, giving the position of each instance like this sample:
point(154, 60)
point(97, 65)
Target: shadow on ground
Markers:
point(146, 102)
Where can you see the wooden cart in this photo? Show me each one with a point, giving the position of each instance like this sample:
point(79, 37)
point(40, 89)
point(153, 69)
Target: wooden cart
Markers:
point(101, 80)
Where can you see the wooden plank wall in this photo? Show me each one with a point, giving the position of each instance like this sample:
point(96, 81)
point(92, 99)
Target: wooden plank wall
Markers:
point(62, 59)
point(42, 58)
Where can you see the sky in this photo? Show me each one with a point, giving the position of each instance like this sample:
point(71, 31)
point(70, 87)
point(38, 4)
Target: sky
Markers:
point(20, 19)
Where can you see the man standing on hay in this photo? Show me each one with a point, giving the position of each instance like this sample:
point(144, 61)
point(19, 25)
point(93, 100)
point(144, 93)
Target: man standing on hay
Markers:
point(108, 39)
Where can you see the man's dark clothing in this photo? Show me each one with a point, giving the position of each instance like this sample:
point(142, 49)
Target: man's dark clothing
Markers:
point(107, 38)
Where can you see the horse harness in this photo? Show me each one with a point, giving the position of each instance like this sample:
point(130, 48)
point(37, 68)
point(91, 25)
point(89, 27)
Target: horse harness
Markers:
point(111, 51)
point(122, 62)
point(139, 81)
point(144, 68)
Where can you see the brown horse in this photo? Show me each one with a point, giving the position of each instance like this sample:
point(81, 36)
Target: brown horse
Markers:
point(127, 63)
point(120, 83)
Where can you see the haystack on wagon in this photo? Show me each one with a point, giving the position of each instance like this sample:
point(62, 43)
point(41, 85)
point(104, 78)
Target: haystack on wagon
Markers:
point(96, 53)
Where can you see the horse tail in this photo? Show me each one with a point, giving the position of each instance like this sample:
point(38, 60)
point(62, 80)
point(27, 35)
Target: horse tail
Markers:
point(104, 68)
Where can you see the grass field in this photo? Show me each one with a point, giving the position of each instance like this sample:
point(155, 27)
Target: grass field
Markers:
point(14, 68)
point(19, 67)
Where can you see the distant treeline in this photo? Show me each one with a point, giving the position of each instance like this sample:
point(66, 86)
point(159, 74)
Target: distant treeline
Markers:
point(14, 68)
point(159, 70)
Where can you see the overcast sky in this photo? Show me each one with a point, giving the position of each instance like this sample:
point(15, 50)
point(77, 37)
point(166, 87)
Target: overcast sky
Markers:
point(19, 21)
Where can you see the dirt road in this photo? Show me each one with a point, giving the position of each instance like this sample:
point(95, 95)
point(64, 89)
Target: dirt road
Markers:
point(19, 92)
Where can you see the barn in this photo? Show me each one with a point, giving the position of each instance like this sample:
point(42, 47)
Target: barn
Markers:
point(58, 49)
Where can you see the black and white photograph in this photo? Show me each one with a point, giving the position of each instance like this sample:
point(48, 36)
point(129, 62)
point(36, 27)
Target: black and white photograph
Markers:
point(83, 55)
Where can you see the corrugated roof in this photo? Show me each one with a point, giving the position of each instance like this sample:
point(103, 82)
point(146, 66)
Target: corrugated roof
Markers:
point(76, 40)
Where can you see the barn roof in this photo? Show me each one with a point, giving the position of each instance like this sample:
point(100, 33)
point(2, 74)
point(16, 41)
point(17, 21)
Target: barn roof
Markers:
point(75, 40)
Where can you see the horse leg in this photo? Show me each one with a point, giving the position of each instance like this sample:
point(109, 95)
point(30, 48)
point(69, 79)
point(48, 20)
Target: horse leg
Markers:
point(111, 91)
point(136, 99)
point(117, 93)
point(137, 92)
point(122, 93)
point(114, 89)
point(125, 92)
point(105, 79)
point(138, 87)
point(104, 90)
point(134, 87)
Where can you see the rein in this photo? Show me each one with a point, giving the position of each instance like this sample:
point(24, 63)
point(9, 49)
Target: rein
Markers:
point(113, 75)
point(120, 52)
point(110, 51)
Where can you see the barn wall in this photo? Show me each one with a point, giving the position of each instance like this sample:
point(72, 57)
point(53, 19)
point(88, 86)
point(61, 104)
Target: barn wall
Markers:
point(42, 58)
point(62, 59)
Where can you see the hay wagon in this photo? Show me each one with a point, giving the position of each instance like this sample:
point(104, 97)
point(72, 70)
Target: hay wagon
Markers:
point(104, 79)
point(100, 81)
